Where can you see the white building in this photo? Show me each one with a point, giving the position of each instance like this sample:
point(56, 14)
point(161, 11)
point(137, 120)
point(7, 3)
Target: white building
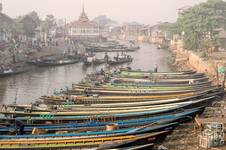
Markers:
point(83, 28)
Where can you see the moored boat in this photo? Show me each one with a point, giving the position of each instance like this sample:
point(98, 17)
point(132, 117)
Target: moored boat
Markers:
point(13, 71)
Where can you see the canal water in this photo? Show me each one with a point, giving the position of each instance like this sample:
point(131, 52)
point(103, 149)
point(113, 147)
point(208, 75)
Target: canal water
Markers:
point(28, 87)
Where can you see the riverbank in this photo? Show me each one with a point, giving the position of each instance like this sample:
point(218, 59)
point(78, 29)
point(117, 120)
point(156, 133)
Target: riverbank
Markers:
point(24, 54)
point(210, 64)
point(184, 137)
point(28, 87)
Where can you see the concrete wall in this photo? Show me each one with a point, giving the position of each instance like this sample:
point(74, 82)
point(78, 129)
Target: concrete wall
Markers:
point(190, 60)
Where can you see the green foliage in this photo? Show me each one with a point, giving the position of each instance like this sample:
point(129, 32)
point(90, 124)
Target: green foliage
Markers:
point(48, 23)
point(199, 22)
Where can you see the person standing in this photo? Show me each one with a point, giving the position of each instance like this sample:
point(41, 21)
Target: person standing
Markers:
point(156, 68)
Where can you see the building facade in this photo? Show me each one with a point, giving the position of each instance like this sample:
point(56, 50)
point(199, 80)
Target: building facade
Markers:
point(83, 29)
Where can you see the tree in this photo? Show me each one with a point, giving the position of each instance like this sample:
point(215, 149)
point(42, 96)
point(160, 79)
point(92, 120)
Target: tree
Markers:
point(199, 22)
point(48, 23)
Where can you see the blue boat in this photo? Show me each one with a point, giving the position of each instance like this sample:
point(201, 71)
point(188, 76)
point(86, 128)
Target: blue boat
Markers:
point(121, 124)
point(128, 131)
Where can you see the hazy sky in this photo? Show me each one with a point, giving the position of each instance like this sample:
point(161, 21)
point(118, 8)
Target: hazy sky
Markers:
point(143, 11)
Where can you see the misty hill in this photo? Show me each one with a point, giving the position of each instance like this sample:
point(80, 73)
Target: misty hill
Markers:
point(103, 20)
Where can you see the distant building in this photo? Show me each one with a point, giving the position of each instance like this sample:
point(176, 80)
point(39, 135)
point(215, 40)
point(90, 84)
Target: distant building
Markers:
point(83, 29)
point(131, 30)
point(159, 34)
point(5, 23)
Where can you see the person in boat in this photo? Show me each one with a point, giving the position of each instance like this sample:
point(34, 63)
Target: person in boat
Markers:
point(4, 107)
point(19, 125)
point(117, 56)
point(32, 107)
point(1, 68)
point(191, 81)
point(106, 57)
point(156, 68)
point(102, 71)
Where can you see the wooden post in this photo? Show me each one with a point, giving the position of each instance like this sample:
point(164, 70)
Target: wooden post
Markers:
point(224, 80)
point(217, 76)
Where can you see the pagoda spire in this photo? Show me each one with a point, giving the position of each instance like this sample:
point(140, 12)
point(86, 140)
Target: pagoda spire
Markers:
point(83, 8)
point(83, 17)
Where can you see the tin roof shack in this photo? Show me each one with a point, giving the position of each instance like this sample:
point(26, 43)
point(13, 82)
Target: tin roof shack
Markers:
point(115, 32)
point(160, 34)
point(144, 34)
point(130, 31)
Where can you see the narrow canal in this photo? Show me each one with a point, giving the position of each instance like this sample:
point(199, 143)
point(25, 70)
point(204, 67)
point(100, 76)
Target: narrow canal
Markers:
point(28, 87)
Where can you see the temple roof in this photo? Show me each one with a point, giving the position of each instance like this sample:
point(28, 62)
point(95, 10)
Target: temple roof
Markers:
point(84, 21)
point(83, 16)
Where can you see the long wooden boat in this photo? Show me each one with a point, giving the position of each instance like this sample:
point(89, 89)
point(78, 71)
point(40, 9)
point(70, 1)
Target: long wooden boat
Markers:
point(93, 134)
point(138, 91)
point(99, 128)
point(159, 73)
point(159, 85)
point(120, 61)
point(119, 99)
point(141, 75)
point(60, 62)
point(139, 85)
point(111, 106)
point(139, 147)
point(189, 113)
point(158, 81)
point(109, 87)
point(76, 143)
point(98, 61)
point(70, 106)
point(93, 111)
point(14, 71)
point(95, 115)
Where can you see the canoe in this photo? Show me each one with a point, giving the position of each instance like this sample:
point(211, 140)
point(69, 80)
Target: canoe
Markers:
point(159, 73)
point(99, 128)
point(141, 87)
point(98, 61)
point(128, 131)
point(98, 114)
point(91, 112)
point(137, 91)
point(140, 75)
point(118, 99)
point(121, 123)
point(75, 143)
point(108, 111)
point(14, 71)
point(120, 61)
point(139, 147)
point(157, 84)
point(56, 62)
point(86, 88)
point(70, 106)
point(158, 81)
point(65, 107)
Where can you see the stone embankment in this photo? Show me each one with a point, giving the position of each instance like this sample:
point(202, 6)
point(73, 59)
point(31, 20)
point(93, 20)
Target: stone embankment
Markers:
point(185, 60)
point(184, 137)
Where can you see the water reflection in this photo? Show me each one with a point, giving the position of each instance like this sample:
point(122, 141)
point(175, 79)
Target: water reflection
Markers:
point(28, 87)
